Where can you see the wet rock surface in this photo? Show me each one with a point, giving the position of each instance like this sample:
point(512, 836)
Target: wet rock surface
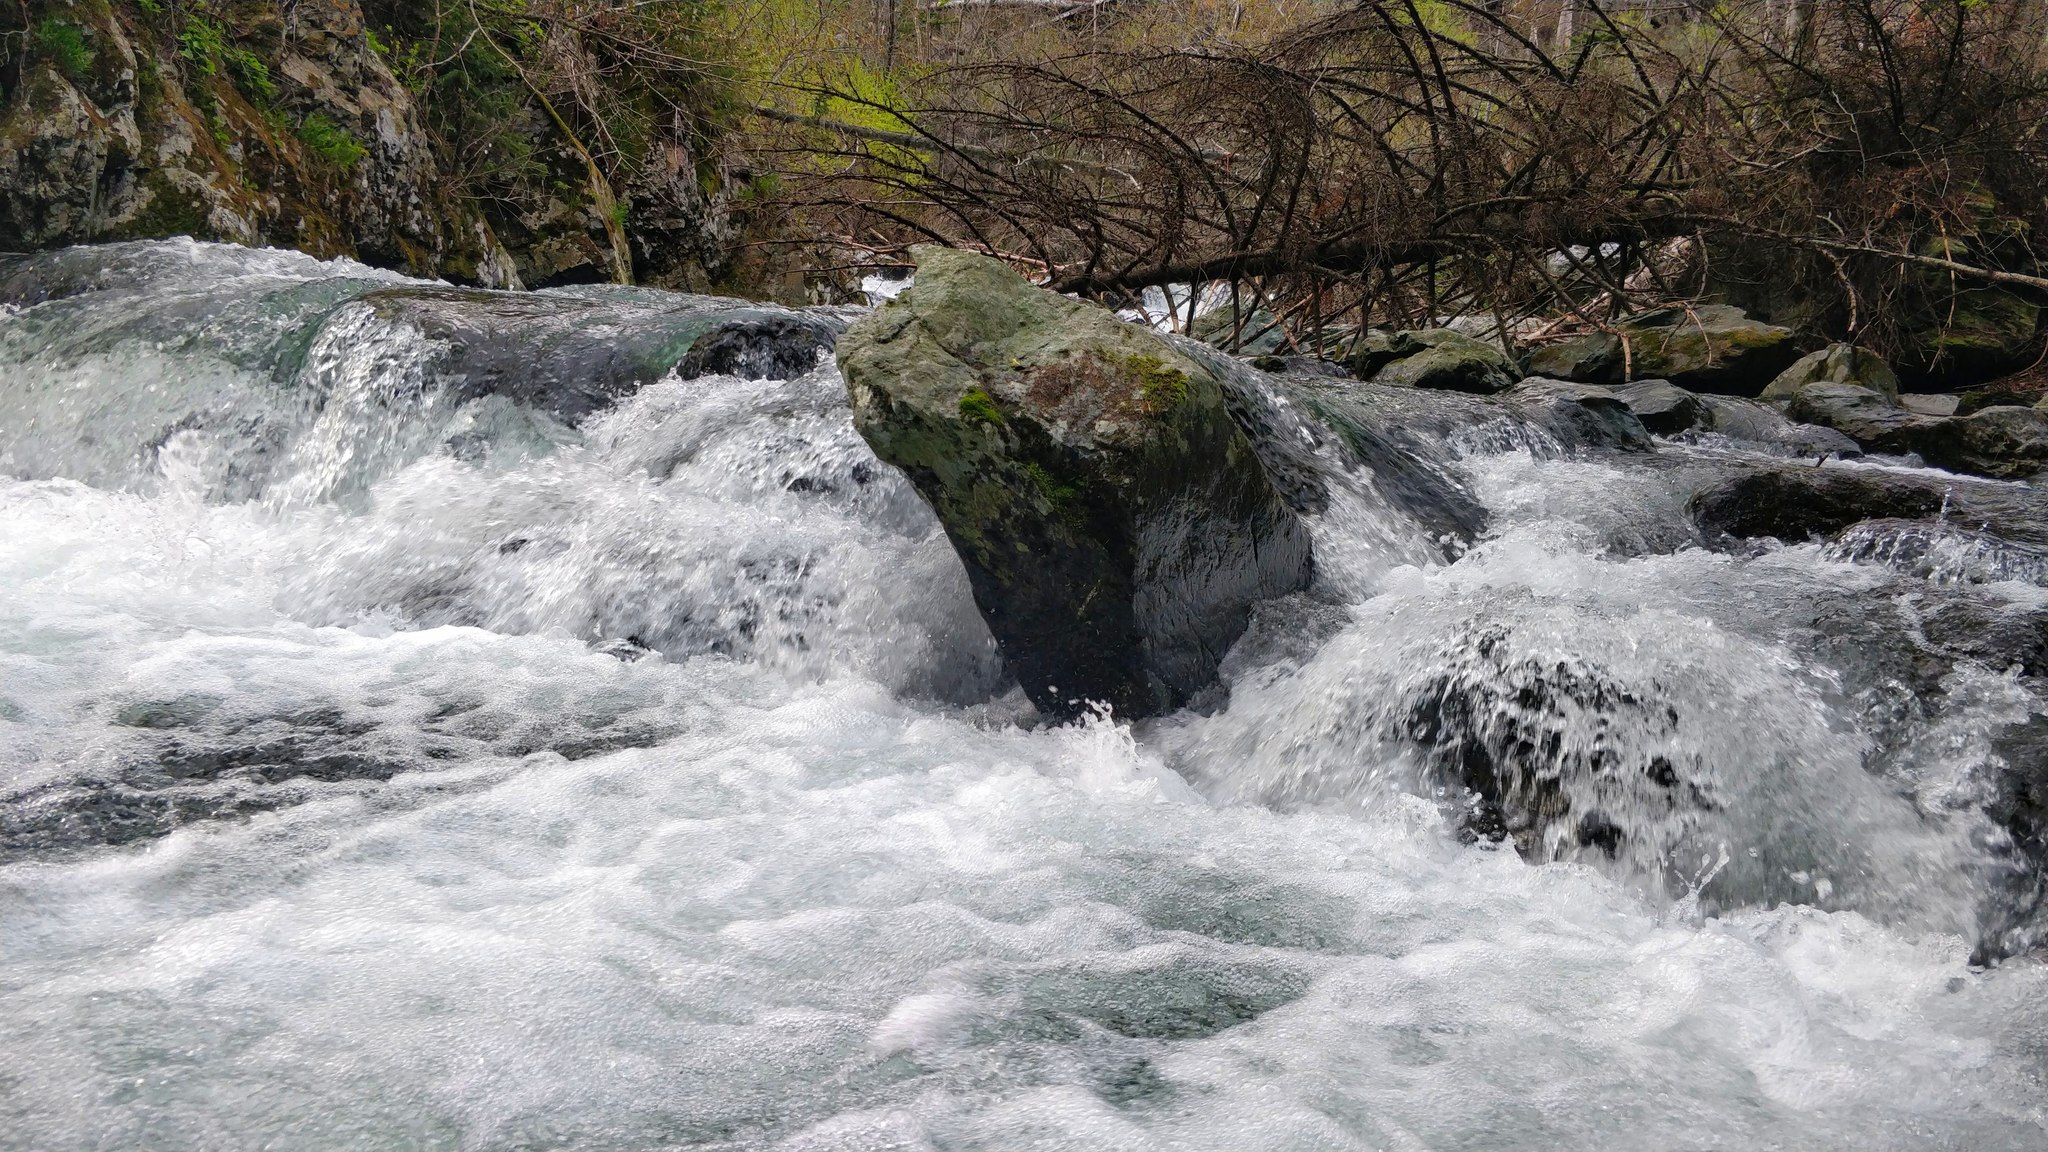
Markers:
point(1114, 519)
point(1518, 734)
point(1795, 503)
point(570, 355)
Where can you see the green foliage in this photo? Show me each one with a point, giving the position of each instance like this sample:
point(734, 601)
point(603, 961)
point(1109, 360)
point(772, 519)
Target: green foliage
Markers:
point(331, 142)
point(203, 42)
point(63, 44)
point(979, 406)
point(213, 51)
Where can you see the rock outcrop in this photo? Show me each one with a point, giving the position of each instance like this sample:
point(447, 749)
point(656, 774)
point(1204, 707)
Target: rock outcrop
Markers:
point(1115, 522)
point(1712, 348)
point(283, 124)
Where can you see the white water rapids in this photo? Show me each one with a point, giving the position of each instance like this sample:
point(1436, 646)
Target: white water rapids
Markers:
point(416, 860)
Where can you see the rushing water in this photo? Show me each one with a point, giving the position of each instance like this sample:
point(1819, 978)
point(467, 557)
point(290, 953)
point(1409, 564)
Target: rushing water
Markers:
point(390, 766)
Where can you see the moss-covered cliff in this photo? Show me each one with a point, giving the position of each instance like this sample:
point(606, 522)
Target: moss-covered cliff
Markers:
point(345, 128)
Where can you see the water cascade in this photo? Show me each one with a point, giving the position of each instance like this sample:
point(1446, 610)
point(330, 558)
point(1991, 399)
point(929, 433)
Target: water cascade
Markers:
point(445, 719)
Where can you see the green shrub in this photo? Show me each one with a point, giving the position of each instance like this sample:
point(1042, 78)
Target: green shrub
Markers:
point(64, 45)
point(331, 142)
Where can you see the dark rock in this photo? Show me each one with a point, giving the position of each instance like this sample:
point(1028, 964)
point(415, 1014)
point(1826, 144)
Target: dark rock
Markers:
point(1302, 366)
point(1302, 425)
point(2006, 442)
point(1518, 734)
point(570, 356)
point(1764, 425)
point(1436, 358)
point(1663, 407)
point(1837, 364)
point(1712, 348)
point(1114, 520)
point(1583, 416)
point(1863, 415)
point(1801, 502)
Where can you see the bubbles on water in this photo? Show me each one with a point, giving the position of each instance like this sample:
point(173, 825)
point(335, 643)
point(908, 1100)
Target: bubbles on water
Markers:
point(436, 854)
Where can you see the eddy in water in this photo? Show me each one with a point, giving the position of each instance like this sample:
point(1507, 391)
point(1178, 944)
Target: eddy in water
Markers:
point(585, 719)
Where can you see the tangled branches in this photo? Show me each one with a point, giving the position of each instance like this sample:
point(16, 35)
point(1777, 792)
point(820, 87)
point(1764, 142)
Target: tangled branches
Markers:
point(1861, 162)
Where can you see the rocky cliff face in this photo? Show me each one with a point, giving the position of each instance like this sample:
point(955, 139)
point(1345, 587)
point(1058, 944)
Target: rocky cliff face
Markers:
point(283, 124)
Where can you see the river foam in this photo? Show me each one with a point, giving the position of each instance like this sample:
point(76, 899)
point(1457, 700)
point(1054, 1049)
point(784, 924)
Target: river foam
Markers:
point(655, 786)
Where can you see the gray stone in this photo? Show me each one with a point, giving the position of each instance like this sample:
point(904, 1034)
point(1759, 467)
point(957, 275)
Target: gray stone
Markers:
point(1930, 403)
point(1712, 348)
point(1435, 358)
point(1663, 407)
point(1114, 520)
point(1840, 364)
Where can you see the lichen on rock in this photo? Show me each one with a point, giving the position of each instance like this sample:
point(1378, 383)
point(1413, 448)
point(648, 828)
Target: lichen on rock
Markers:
point(1116, 524)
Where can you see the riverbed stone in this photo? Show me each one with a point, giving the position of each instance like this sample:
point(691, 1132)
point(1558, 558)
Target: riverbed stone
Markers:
point(1663, 407)
point(1839, 364)
point(1711, 348)
point(1115, 522)
point(1435, 358)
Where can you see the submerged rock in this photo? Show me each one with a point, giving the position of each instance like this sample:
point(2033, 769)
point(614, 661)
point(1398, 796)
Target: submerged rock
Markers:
point(1539, 746)
point(1712, 348)
point(1115, 522)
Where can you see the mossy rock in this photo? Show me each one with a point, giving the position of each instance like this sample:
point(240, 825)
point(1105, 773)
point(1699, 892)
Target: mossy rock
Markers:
point(1712, 348)
point(1115, 522)
point(1839, 364)
point(1451, 361)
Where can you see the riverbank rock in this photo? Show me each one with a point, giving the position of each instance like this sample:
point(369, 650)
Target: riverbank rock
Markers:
point(1115, 522)
point(1712, 348)
point(1839, 364)
point(1434, 358)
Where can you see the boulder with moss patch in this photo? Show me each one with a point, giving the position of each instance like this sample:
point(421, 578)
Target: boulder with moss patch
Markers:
point(1434, 358)
point(1837, 364)
point(1711, 348)
point(1115, 522)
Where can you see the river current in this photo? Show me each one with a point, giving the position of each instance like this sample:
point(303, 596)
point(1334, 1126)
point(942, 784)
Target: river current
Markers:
point(393, 766)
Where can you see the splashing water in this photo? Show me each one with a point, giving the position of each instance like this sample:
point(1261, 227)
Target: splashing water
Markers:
point(389, 767)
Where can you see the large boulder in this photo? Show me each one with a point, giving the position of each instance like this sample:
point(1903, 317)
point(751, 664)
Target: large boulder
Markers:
point(1711, 348)
point(1115, 522)
point(1435, 358)
point(1837, 363)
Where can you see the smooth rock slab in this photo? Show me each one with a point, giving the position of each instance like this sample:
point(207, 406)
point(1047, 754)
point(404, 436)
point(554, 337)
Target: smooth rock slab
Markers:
point(1115, 522)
